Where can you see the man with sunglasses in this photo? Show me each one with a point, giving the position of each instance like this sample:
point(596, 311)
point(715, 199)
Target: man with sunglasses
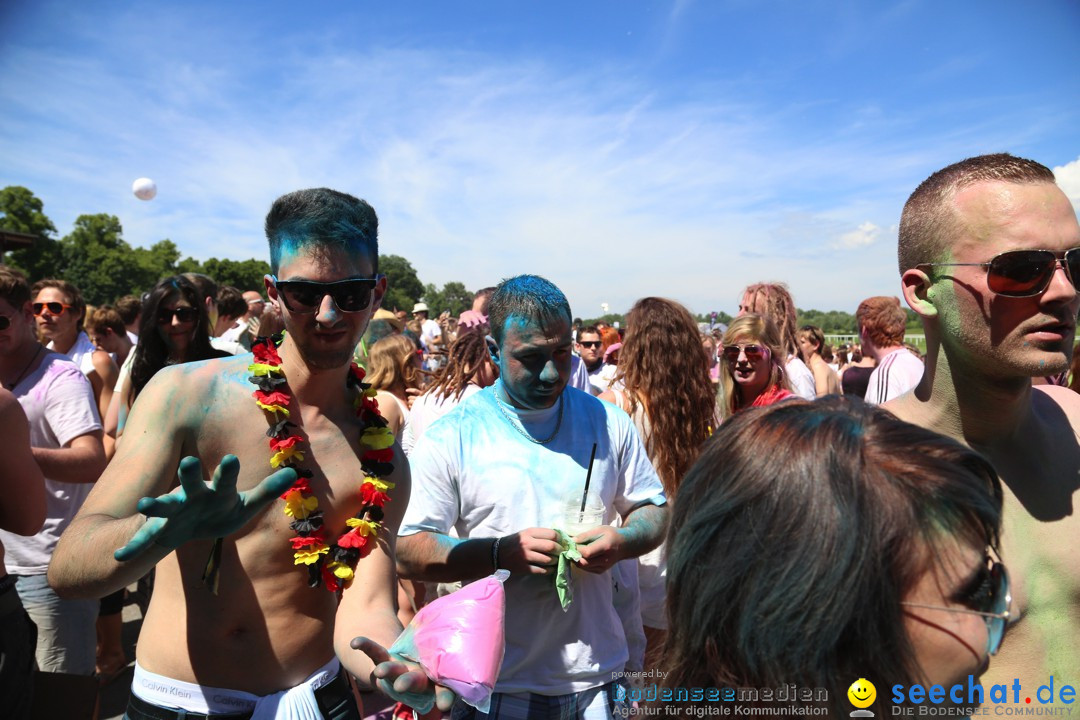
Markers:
point(989, 256)
point(590, 349)
point(262, 639)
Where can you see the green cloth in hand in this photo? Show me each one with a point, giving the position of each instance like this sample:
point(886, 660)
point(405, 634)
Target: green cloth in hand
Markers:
point(564, 581)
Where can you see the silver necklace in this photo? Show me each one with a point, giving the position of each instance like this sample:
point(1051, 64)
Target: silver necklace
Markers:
point(520, 428)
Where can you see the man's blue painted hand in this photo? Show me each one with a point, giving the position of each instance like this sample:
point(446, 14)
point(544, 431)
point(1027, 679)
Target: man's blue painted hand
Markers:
point(197, 510)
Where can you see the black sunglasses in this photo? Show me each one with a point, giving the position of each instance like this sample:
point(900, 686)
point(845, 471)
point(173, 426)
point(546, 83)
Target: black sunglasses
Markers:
point(1024, 273)
point(591, 343)
point(5, 322)
point(182, 314)
point(305, 296)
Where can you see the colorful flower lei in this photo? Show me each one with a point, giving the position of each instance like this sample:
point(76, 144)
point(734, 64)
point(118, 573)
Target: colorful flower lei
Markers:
point(332, 564)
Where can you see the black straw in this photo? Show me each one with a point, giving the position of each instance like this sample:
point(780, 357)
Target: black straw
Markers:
point(588, 477)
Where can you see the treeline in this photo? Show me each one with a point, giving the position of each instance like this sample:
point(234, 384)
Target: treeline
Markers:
point(96, 258)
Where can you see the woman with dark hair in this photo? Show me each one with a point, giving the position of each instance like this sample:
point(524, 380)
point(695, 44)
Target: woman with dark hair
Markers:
point(819, 543)
point(753, 371)
point(174, 329)
point(394, 369)
point(811, 346)
point(663, 384)
point(469, 368)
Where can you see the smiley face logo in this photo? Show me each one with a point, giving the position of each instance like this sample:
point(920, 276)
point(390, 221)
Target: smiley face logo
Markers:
point(862, 693)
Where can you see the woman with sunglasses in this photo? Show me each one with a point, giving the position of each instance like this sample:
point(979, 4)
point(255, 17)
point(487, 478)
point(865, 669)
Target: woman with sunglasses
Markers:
point(818, 543)
point(174, 329)
point(61, 313)
point(394, 369)
point(753, 372)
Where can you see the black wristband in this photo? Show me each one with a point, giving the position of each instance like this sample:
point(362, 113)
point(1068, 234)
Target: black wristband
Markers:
point(495, 553)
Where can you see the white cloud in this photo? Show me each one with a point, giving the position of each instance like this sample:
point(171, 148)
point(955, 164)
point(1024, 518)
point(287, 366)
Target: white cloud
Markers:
point(1068, 179)
point(866, 234)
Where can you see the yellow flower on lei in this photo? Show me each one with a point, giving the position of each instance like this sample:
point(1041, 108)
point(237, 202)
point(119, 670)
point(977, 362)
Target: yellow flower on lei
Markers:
point(274, 408)
point(377, 438)
point(340, 570)
point(378, 483)
point(298, 506)
point(258, 369)
point(286, 454)
point(309, 555)
point(363, 527)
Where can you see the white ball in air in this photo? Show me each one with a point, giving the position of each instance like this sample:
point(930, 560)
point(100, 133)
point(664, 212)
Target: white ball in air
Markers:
point(144, 188)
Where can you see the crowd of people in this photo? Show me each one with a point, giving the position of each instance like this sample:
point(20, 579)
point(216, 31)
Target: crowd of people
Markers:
point(768, 507)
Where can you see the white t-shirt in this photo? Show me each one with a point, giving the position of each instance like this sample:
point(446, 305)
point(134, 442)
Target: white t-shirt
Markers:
point(475, 472)
point(59, 403)
point(426, 410)
point(81, 353)
point(801, 379)
point(899, 372)
point(579, 376)
point(429, 332)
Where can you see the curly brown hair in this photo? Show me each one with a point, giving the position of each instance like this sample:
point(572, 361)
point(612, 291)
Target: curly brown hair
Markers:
point(664, 368)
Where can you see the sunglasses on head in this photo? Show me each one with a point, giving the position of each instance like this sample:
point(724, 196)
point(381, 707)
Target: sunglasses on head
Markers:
point(54, 308)
point(753, 352)
point(182, 314)
point(1024, 273)
point(305, 296)
point(591, 343)
point(987, 595)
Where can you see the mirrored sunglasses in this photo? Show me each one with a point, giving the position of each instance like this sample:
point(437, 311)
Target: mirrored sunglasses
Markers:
point(305, 296)
point(1024, 273)
point(753, 352)
point(54, 308)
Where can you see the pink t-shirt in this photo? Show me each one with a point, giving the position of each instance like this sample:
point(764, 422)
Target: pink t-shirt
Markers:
point(59, 403)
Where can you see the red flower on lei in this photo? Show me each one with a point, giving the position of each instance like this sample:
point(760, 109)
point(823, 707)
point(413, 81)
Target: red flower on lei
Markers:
point(330, 565)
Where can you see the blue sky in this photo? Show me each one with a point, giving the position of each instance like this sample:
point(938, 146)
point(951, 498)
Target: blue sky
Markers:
point(620, 148)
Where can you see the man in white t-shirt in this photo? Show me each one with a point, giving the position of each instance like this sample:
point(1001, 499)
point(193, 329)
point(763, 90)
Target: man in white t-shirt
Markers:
point(501, 469)
point(881, 323)
point(65, 437)
point(430, 334)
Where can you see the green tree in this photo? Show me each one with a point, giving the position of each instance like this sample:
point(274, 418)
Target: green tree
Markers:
point(98, 260)
point(22, 212)
point(241, 274)
point(453, 297)
point(403, 286)
point(155, 263)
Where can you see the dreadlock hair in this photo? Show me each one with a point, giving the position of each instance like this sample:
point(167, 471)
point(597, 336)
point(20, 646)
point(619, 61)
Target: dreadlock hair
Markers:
point(466, 356)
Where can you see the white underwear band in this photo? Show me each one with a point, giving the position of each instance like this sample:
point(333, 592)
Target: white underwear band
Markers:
point(297, 703)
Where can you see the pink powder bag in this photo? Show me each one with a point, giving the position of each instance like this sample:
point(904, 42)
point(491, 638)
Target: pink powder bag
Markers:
point(458, 639)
